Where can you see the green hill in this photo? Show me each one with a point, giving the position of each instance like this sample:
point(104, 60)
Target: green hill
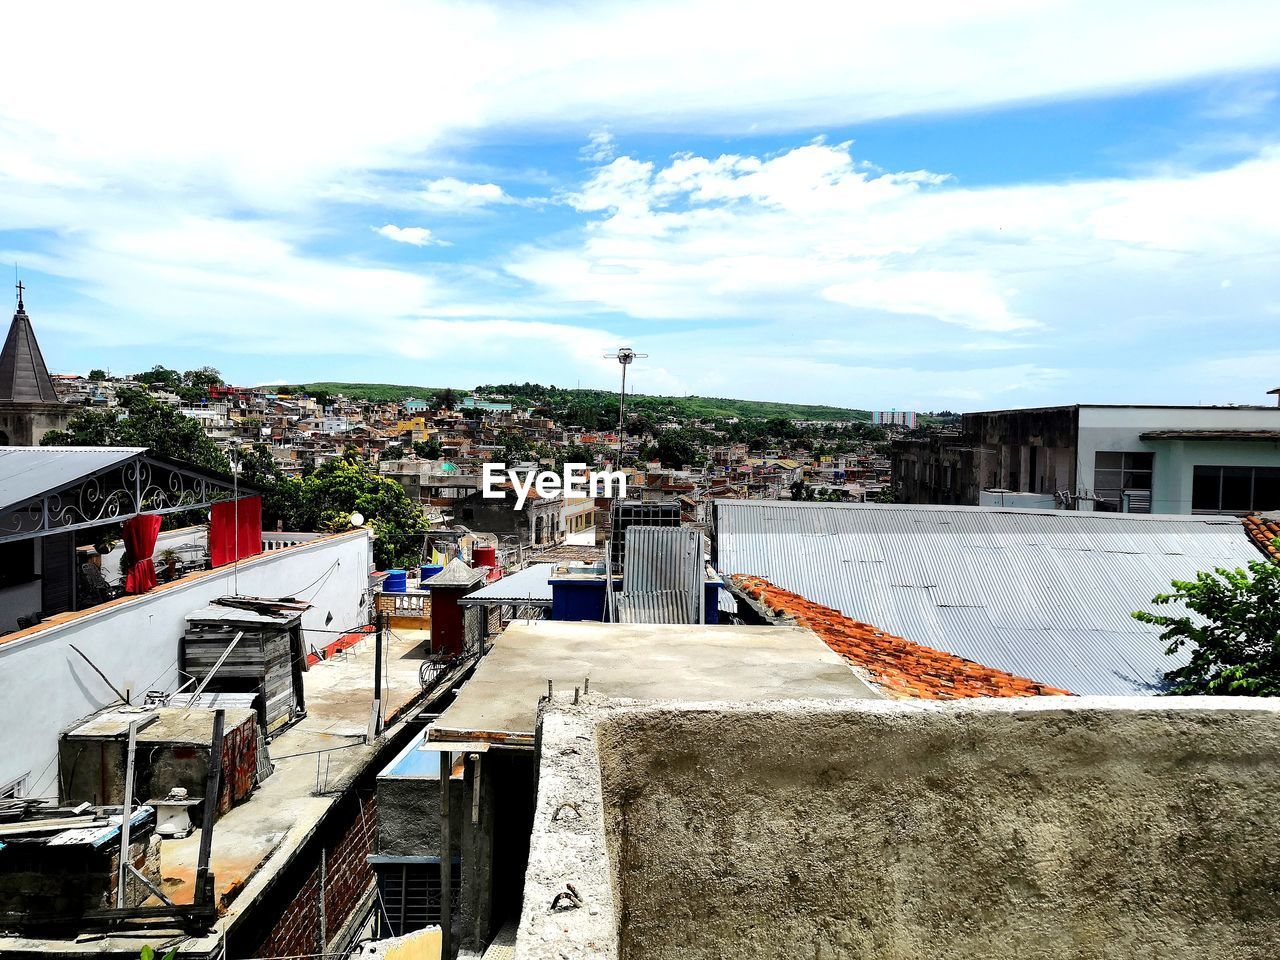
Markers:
point(533, 394)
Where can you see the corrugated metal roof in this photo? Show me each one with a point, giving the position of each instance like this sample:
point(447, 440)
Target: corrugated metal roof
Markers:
point(530, 585)
point(657, 606)
point(1040, 593)
point(30, 472)
point(663, 575)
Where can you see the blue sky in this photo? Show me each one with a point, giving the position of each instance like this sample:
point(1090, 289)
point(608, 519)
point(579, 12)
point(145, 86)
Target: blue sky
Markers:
point(1003, 205)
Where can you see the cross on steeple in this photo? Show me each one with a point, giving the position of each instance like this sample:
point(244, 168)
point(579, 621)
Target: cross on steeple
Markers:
point(20, 289)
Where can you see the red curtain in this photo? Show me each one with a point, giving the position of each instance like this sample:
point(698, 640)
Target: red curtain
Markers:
point(139, 535)
point(225, 533)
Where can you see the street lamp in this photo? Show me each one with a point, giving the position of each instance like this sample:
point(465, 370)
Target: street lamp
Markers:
point(625, 356)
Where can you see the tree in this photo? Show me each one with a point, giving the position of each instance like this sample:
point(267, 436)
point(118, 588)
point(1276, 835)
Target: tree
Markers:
point(513, 442)
point(676, 448)
point(1234, 640)
point(447, 399)
point(97, 374)
point(196, 383)
point(345, 486)
point(146, 423)
point(160, 378)
point(428, 449)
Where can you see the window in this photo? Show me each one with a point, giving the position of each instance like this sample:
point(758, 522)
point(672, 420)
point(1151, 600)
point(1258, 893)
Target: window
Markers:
point(1115, 471)
point(1235, 489)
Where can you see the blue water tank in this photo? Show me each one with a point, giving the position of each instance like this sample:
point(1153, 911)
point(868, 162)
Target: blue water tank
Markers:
point(397, 582)
point(577, 598)
point(429, 570)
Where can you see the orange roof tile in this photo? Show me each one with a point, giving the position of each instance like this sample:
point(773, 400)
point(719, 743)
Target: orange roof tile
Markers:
point(903, 668)
point(1262, 530)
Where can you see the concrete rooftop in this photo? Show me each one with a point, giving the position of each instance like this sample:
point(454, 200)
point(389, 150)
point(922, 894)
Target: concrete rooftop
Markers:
point(638, 662)
point(255, 839)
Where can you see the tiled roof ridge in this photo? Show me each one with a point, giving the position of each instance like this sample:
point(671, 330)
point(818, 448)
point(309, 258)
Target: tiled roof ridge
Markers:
point(902, 667)
point(1262, 530)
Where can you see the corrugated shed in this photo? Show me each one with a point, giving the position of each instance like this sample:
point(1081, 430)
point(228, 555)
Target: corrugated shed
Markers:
point(1037, 593)
point(663, 576)
point(657, 606)
point(530, 585)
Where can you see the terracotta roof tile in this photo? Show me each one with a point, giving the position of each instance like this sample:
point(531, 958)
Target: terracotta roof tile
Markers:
point(901, 667)
point(1262, 530)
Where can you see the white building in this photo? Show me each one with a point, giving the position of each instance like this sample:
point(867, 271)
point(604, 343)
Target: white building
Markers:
point(1116, 458)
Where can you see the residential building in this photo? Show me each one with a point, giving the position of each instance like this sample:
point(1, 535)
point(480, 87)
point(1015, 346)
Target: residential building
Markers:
point(1109, 458)
point(894, 418)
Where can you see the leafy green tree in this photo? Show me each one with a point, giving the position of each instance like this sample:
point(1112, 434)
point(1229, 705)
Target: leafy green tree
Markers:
point(97, 374)
point(676, 448)
point(428, 449)
point(196, 383)
point(392, 451)
point(448, 399)
point(1234, 639)
point(515, 443)
point(145, 423)
point(160, 378)
point(344, 486)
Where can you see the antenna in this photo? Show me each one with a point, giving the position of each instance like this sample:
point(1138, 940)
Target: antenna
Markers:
point(625, 356)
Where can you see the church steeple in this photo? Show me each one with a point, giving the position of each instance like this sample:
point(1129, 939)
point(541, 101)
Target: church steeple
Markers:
point(23, 376)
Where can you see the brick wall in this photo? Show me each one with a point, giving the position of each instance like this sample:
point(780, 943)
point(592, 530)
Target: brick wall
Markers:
point(347, 837)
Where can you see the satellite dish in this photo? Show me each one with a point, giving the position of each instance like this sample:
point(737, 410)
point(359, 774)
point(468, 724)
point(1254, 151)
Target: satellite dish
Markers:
point(357, 519)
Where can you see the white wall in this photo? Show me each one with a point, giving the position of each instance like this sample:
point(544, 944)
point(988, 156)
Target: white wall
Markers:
point(45, 687)
point(1117, 429)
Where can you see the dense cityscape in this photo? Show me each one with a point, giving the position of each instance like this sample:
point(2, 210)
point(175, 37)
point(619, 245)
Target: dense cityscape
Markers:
point(640, 481)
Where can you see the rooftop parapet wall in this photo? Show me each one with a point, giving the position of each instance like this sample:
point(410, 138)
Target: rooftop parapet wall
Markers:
point(1048, 827)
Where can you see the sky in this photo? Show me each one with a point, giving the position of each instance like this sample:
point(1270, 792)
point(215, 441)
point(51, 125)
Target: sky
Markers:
point(893, 206)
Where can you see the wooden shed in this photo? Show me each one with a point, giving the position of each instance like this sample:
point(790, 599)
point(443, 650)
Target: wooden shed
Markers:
point(250, 646)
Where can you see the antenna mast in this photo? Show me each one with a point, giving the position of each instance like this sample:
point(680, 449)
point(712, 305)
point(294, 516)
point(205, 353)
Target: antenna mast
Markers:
point(625, 356)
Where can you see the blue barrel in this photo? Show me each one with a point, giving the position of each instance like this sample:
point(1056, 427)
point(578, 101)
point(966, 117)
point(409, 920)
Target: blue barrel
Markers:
point(397, 582)
point(429, 570)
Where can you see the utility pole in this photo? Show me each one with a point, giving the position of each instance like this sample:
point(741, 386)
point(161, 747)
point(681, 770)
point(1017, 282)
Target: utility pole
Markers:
point(377, 674)
point(625, 356)
point(446, 858)
point(204, 897)
point(126, 813)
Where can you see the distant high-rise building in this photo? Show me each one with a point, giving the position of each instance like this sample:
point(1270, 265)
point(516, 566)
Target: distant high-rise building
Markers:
point(894, 418)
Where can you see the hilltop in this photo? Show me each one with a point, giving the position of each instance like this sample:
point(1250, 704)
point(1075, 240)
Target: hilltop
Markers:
point(533, 394)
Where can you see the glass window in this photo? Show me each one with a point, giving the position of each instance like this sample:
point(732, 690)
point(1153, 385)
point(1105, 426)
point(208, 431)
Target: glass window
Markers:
point(1235, 489)
point(1115, 471)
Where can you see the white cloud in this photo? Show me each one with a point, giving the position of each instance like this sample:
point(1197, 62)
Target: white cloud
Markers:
point(813, 235)
point(190, 201)
point(601, 146)
point(450, 193)
point(417, 236)
point(145, 97)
